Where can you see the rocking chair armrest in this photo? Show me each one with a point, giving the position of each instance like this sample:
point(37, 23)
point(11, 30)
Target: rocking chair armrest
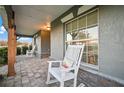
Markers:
point(67, 69)
point(50, 62)
point(57, 61)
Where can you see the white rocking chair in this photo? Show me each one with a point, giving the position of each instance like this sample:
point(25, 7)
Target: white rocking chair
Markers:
point(30, 52)
point(68, 68)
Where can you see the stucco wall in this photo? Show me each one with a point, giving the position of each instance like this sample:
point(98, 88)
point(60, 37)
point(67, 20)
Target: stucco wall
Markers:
point(57, 34)
point(111, 46)
point(111, 51)
point(57, 44)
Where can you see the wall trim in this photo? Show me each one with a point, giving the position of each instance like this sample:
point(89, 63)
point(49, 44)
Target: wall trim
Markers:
point(66, 18)
point(103, 75)
point(91, 66)
point(84, 8)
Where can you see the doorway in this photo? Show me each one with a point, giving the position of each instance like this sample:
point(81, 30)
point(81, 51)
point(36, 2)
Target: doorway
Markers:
point(45, 44)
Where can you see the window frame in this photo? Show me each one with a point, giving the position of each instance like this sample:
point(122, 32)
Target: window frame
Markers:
point(83, 64)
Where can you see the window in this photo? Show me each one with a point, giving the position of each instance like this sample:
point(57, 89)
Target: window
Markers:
point(85, 30)
point(92, 19)
point(82, 22)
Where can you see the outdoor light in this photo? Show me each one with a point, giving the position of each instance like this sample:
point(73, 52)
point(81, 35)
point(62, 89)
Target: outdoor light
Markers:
point(48, 28)
point(45, 27)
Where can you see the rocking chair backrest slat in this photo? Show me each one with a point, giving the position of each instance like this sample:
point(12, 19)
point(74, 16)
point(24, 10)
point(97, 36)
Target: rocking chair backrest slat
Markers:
point(74, 54)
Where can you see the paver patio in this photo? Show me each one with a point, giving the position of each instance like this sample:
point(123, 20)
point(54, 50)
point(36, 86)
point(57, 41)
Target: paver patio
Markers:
point(32, 72)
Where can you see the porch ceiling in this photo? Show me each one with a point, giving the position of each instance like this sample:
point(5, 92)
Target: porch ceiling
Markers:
point(30, 18)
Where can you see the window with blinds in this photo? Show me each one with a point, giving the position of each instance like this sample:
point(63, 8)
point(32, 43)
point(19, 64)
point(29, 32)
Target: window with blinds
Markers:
point(69, 27)
point(92, 19)
point(81, 29)
point(82, 22)
point(74, 25)
point(89, 20)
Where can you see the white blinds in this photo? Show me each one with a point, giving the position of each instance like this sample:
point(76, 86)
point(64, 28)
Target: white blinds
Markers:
point(92, 19)
point(82, 22)
point(74, 25)
point(88, 20)
point(69, 27)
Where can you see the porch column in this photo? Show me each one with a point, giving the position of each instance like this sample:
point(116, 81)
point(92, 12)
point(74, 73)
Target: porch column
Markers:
point(11, 49)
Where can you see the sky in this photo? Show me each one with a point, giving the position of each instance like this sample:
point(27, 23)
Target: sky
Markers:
point(4, 34)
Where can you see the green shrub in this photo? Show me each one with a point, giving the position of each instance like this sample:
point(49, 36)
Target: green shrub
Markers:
point(24, 49)
point(3, 55)
point(30, 47)
point(18, 51)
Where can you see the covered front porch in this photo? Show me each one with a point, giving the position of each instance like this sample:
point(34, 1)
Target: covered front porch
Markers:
point(95, 69)
point(32, 72)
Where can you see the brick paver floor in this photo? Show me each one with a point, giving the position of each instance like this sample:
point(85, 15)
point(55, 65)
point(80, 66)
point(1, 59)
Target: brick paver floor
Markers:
point(32, 72)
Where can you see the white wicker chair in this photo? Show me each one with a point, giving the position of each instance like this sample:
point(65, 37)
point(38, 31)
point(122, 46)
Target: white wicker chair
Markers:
point(31, 52)
point(61, 73)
